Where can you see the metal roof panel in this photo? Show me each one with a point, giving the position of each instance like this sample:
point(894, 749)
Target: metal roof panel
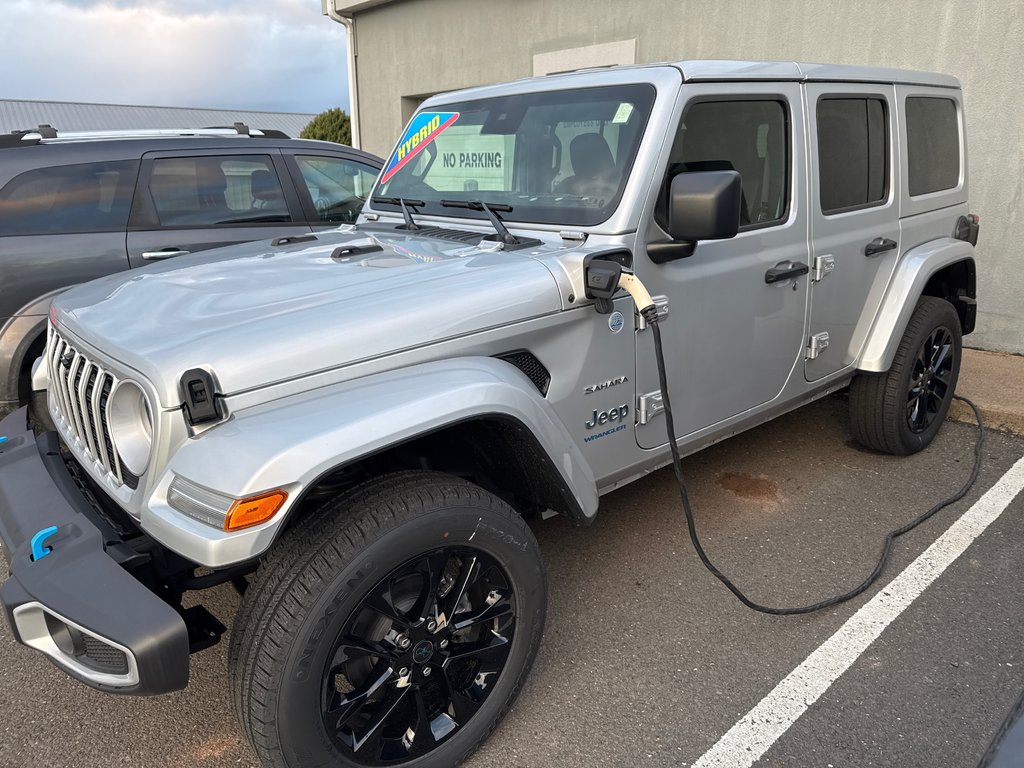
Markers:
point(76, 116)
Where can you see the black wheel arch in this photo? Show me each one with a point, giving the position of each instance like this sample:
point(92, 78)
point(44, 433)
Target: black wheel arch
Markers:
point(957, 284)
point(23, 352)
point(495, 451)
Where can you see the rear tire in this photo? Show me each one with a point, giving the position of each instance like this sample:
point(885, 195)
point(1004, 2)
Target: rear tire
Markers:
point(407, 573)
point(900, 411)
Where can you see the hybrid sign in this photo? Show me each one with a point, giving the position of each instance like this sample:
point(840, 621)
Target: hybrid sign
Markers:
point(423, 129)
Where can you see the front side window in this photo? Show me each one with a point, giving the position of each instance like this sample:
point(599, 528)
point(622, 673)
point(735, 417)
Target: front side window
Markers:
point(213, 191)
point(933, 144)
point(750, 137)
point(91, 197)
point(337, 187)
point(560, 157)
point(853, 153)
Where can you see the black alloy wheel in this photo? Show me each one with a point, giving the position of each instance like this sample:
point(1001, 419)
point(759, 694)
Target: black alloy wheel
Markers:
point(901, 410)
point(931, 379)
point(419, 656)
point(392, 626)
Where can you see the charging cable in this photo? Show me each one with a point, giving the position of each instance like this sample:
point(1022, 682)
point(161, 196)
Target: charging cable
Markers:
point(649, 313)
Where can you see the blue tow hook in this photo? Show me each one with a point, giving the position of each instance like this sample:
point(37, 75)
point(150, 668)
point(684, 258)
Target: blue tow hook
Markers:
point(3, 439)
point(38, 550)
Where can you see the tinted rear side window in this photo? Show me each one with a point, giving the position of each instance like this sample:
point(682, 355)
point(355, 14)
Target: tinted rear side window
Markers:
point(212, 191)
point(92, 197)
point(933, 144)
point(853, 153)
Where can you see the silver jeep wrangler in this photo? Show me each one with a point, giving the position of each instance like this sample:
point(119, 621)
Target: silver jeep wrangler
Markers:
point(353, 426)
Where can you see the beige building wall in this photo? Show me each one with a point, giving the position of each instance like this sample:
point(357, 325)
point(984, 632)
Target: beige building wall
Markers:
point(410, 49)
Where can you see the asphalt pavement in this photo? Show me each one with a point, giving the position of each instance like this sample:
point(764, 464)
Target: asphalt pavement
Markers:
point(646, 659)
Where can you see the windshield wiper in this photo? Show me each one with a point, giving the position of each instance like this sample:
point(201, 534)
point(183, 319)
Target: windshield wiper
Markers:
point(261, 219)
point(478, 205)
point(403, 202)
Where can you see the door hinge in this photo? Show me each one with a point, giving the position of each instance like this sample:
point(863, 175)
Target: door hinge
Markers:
point(660, 305)
point(823, 267)
point(816, 344)
point(649, 406)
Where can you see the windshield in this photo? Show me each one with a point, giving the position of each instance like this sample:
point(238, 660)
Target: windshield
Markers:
point(558, 157)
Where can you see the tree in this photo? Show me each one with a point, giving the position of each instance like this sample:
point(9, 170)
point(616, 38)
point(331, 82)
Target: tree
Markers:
point(332, 125)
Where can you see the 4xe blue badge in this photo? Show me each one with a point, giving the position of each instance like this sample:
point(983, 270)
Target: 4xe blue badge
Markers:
point(423, 129)
point(615, 322)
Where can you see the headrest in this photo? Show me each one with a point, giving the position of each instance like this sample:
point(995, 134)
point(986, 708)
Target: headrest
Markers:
point(264, 186)
point(591, 156)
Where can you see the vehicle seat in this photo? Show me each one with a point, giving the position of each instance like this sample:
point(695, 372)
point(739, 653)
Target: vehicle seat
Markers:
point(266, 192)
point(211, 184)
point(594, 171)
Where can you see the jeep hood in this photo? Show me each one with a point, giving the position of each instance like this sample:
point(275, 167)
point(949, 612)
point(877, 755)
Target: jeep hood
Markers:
point(256, 314)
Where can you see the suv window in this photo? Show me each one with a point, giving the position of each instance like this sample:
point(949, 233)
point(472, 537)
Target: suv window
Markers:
point(556, 157)
point(853, 153)
point(750, 137)
point(933, 144)
point(211, 191)
point(338, 187)
point(91, 197)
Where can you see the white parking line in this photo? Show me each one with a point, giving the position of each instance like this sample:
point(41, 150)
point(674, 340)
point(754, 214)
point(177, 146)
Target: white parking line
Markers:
point(754, 734)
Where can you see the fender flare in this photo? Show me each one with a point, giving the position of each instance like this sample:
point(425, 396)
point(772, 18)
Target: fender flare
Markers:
point(905, 287)
point(292, 442)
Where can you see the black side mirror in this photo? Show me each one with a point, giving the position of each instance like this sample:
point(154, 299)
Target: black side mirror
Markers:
point(702, 205)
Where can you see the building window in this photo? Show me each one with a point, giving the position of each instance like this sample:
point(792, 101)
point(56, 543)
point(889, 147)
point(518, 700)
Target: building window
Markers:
point(91, 197)
point(933, 144)
point(853, 153)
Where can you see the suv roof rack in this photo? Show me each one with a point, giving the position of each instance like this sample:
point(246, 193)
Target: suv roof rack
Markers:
point(48, 134)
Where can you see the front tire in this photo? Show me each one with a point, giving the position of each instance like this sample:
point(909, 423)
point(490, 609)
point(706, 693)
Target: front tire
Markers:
point(900, 411)
point(393, 626)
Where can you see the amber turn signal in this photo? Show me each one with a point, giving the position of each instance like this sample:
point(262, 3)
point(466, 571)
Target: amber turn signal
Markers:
point(245, 513)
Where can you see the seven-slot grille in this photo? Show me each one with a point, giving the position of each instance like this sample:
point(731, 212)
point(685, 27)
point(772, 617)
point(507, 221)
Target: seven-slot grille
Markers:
point(81, 388)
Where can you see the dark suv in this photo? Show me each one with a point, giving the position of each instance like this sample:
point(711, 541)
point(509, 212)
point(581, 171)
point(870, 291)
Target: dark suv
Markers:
point(76, 206)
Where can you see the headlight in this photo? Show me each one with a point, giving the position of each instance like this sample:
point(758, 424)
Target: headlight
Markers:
point(131, 425)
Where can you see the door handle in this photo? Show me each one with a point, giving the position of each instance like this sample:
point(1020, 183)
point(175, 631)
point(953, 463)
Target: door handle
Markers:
point(879, 245)
point(167, 253)
point(784, 271)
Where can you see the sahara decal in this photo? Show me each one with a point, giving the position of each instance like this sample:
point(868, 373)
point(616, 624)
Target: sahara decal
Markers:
point(592, 388)
point(423, 129)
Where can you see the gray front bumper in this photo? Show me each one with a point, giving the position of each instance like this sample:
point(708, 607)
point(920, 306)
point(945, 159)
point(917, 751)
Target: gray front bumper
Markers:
point(76, 603)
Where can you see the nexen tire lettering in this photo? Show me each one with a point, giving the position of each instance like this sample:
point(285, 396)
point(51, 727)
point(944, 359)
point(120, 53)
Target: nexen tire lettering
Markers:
point(302, 674)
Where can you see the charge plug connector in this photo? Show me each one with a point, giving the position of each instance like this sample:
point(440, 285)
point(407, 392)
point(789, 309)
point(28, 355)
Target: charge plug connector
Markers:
point(641, 296)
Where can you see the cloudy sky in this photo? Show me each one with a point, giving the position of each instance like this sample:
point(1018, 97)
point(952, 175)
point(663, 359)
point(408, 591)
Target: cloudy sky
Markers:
point(280, 55)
